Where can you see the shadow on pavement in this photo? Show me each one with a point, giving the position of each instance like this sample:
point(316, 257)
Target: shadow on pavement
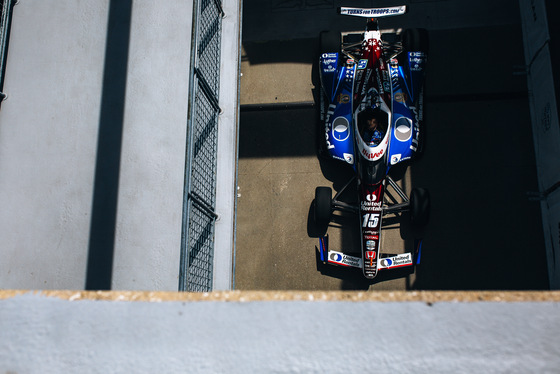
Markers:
point(279, 51)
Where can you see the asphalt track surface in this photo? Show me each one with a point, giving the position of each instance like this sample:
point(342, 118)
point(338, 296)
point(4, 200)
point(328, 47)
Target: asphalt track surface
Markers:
point(484, 234)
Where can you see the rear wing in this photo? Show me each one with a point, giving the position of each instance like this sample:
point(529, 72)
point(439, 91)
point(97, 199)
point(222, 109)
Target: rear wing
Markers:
point(373, 12)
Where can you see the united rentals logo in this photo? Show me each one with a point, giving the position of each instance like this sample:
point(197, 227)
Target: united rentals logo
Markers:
point(344, 260)
point(396, 261)
point(371, 197)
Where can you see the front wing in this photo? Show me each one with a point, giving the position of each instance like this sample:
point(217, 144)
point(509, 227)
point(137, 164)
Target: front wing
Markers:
point(384, 262)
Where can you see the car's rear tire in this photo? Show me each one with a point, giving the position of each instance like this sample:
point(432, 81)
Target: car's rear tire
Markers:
point(323, 204)
point(330, 41)
point(419, 207)
point(415, 40)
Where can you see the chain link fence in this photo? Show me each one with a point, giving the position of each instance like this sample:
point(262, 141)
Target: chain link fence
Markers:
point(199, 215)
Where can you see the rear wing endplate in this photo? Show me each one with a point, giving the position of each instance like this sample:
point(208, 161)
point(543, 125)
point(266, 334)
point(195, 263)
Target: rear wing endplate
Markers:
point(373, 12)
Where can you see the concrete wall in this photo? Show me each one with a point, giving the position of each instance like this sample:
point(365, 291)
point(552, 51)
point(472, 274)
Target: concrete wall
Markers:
point(386, 332)
point(48, 136)
point(151, 183)
point(545, 124)
point(92, 142)
point(226, 185)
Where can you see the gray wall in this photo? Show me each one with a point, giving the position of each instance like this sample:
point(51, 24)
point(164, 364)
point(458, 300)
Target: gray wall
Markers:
point(226, 184)
point(308, 333)
point(546, 129)
point(71, 92)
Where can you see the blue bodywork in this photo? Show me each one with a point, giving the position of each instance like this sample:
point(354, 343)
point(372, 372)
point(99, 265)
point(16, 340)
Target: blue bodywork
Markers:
point(338, 75)
point(338, 82)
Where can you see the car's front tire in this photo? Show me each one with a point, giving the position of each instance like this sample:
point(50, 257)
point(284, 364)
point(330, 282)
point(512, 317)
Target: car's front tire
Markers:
point(323, 205)
point(415, 40)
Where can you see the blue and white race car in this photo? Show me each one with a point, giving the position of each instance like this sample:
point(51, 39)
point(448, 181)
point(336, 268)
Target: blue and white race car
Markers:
point(371, 100)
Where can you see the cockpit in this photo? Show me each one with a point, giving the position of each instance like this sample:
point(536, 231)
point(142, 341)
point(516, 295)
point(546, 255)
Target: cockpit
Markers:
point(372, 126)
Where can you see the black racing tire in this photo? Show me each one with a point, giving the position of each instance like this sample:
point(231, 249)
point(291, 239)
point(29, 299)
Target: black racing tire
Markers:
point(419, 207)
point(415, 40)
point(330, 41)
point(323, 204)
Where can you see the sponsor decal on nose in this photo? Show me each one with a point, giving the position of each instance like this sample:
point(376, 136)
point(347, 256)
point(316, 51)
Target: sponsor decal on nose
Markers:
point(370, 255)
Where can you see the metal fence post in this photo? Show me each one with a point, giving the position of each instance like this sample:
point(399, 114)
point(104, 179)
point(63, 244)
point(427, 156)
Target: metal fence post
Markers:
point(5, 25)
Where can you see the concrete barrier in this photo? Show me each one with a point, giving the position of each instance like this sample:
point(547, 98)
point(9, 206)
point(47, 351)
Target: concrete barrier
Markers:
point(279, 332)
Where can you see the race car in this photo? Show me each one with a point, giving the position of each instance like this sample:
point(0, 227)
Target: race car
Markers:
point(371, 111)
